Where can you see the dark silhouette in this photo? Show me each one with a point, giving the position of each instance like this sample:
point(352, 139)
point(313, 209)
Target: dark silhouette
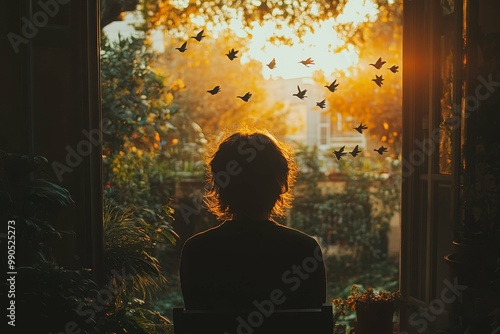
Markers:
point(340, 153)
point(232, 54)
point(378, 80)
point(321, 104)
point(214, 90)
point(199, 36)
point(381, 150)
point(355, 151)
point(301, 93)
point(378, 64)
point(361, 127)
point(182, 48)
point(245, 97)
point(333, 86)
point(394, 68)
point(249, 257)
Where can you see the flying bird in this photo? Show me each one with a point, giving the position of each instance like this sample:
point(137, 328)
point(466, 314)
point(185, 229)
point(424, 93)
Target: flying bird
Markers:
point(214, 90)
point(301, 93)
point(245, 97)
point(272, 64)
point(393, 68)
point(182, 48)
point(378, 80)
point(199, 36)
point(232, 54)
point(333, 86)
point(307, 62)
point(381, 150)
point(360, 127)
point(355, 151)
point(378, 64)
point(340, 153)
point(321, 104)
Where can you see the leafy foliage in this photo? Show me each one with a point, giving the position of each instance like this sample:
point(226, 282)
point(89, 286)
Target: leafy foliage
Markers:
point(144, 144)
point(134, 100)
point(351, 223)
point(355, 217)
point(299, 16)
point(53, 296)
point(369, 295)
point(129, 243)
point(204, 66)
point(358, 99)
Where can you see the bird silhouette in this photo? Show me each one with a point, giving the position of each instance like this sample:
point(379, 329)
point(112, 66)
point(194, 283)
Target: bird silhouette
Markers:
point(378, 64)
point(393, 68)
point(307, 62)
point(182, 48)
point(381, 150)
point(333, 86)
point(214, 90)
point(378, 80)
point(301, 93)
point(340, 153)
point(232, 54)
point(272, 64)
point(355, 151)
point(199, 36)
point(321, 104)
point(245, 97)
point(361, 127)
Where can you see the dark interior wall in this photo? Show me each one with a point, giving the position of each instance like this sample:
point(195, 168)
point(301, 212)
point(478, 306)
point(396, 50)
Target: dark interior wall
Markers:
point(13, 93)
point(428, 205)
point(49, 61)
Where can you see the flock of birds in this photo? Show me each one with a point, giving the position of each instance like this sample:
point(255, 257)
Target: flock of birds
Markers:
point(301, 93)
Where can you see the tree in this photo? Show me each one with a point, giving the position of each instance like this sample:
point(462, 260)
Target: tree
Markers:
point(358, 97)
point(140, 131)
point(112, 10)
point(202, 67)
point(299, 15)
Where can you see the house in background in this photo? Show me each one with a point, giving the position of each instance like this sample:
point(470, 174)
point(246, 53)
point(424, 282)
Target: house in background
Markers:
point(310, 125)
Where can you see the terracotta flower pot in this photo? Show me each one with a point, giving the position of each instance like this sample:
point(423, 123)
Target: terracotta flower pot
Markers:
point(374, 317)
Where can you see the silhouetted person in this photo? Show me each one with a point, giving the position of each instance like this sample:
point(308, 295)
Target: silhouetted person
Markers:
point(249, 257)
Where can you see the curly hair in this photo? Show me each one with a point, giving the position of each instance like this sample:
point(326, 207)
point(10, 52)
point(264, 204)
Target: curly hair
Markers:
point(251, 173)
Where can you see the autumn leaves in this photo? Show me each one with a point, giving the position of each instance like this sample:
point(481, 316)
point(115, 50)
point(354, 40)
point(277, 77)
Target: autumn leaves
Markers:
point(233, 53)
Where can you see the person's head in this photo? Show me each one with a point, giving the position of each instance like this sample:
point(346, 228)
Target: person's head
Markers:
point(251, 176)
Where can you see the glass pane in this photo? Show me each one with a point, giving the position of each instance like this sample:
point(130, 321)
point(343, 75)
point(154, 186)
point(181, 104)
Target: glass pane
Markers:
point(445, 126)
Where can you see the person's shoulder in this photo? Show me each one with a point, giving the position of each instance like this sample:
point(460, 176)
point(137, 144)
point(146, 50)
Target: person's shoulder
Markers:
point(296, 234)
point(202, 236)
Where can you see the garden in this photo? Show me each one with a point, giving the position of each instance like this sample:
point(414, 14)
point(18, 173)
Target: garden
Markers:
point(159, 123)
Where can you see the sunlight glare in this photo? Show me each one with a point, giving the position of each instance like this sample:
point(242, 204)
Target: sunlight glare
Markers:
point(319, 45)
point(357, 11)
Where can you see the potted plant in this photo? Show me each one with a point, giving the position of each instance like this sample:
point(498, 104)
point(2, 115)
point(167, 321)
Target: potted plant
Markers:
point(374, 309)
point(339, 307)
